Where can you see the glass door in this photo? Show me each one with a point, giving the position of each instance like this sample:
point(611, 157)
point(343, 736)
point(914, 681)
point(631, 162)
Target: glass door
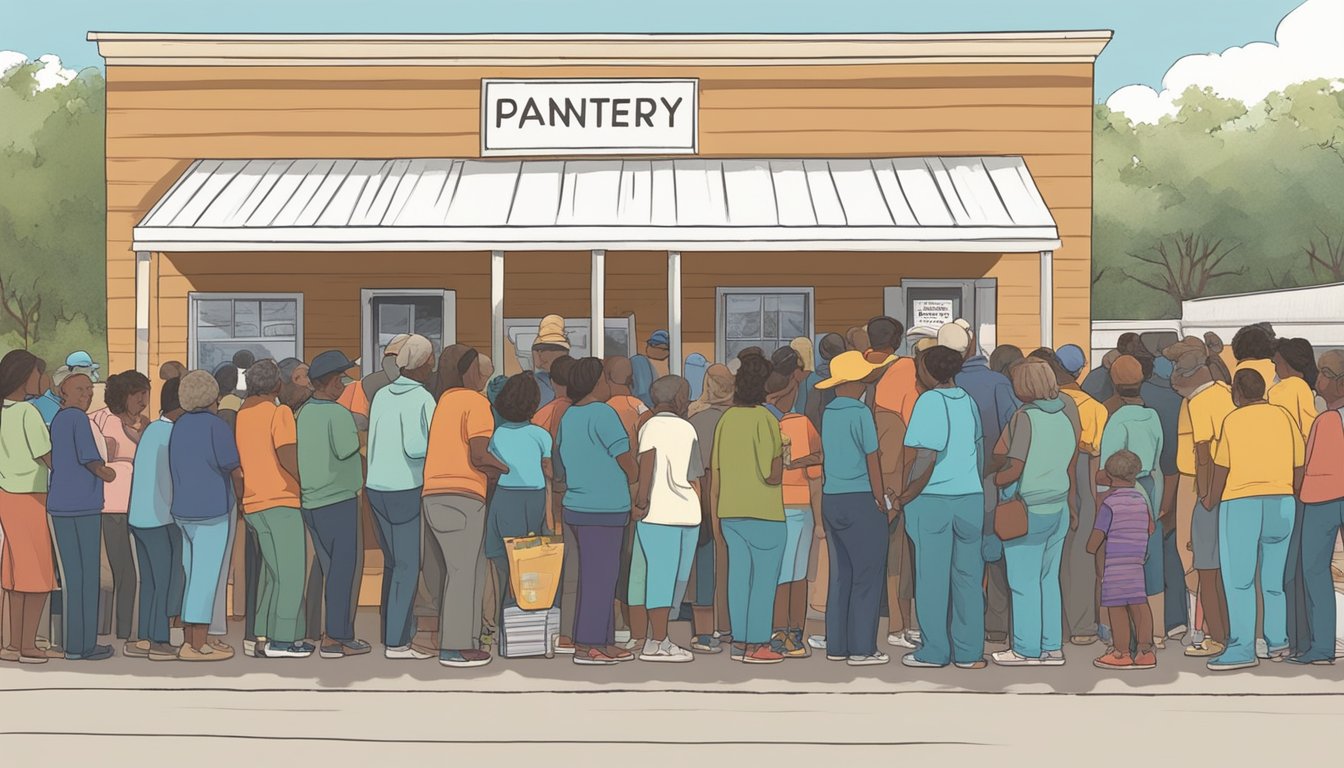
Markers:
point(389, 313)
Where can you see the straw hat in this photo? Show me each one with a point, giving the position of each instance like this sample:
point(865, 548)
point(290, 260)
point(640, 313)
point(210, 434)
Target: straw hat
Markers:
point(551, 330)
point(852, 366)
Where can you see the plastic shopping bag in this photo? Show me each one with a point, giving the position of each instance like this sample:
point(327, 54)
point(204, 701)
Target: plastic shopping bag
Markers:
point(534, 570)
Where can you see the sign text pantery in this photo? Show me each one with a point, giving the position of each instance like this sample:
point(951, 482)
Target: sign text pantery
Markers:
point(588, 117)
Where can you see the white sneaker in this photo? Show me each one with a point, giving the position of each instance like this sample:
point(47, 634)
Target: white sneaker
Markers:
point(176, 636)
point(901, 640)
point(869, 661)
point(1010, 658)
point(817, 642)
point(914, 636)
point(1052, 659)
point(1261, 648)
point(622, 636)
point(909, 660)
point(405, 652)
point(1176, 633)
point(666, 651)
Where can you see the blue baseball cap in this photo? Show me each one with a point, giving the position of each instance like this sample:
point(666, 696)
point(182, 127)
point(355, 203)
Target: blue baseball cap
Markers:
point(1072, 358)
point(660, 339)
point(82, 359)
point(329, 362)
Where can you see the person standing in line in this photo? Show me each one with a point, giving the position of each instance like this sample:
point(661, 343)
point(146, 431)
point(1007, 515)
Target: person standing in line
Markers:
point(633, 412)
point(1004, 357)
point(854, 510)
point(1158, 394)
point(399, 422)
point(1257, 473)
point(120, 425)
point(1038, 455)
point(551, 344)
point(267, 438)
point(802, 502)
point(27, 572)
point(595, 467)
point(158, 542)
point(1323, 495)
point(1097, 383)
point(709, 605)
point(902, 624)
point(521, 503)
point(1079, 570)
point(748, 505)
point(1125, 525)
point(330, 475)
point(807, 358)
point(389, 371)
point(828, 347)
point(48, 403)
point(236, 572)
point(1207, 403)
point(79, 473)
point(944, 501)
point(667, 508)
point(458, 471)
point(548, 418)
point(1295, 364)
point(203, 460)
point(642, 370)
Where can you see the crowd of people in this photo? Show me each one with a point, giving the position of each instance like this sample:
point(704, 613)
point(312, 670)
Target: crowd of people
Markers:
point(975, 497)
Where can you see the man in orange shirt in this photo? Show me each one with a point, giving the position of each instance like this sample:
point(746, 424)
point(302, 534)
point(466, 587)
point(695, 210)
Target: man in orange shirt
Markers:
point(633, 413)
point(897, 389)
point(268, 447)
point(458, 466)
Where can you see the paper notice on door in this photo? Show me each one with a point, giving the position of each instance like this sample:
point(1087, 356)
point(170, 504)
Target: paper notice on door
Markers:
point(932, 312)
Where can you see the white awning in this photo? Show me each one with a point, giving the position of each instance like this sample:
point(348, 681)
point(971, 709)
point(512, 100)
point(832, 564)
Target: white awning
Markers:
point(954, 204)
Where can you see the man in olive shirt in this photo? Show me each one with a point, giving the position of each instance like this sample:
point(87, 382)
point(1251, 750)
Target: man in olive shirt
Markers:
point(330, 475)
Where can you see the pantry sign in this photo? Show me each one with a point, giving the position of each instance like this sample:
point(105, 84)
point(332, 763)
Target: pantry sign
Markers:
point(588, 117)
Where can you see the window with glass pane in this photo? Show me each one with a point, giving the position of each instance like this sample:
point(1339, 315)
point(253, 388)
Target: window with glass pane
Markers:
point(765, 319)
point(395, 315)
point(268, 327)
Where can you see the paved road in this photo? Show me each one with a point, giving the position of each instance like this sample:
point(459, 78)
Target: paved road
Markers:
point(514, 713)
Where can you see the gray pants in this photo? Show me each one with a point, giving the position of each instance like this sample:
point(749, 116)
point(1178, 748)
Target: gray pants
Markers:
point(1078, 569)
point(457, 526)
point(569, 580)
point(119, 600)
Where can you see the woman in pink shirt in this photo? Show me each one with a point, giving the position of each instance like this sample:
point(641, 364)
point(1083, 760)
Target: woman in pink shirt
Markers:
point(120, 425)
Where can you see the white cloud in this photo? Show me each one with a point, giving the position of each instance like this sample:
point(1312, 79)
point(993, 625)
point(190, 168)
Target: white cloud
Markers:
point(50, 75)
point(1309, 47)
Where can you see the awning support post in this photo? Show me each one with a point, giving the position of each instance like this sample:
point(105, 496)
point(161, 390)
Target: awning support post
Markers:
point(1048, 299)
point(597, 336)
point(674, 357)
point(497, 309)
point(142, 311)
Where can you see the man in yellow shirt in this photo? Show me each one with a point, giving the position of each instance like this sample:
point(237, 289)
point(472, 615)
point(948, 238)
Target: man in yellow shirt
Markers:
point(1257, 472)
point(1079, 570)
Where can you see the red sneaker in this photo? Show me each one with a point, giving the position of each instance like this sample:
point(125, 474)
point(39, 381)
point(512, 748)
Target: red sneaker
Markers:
point(1145, 660)
point(762, 654)
point(1113, 660)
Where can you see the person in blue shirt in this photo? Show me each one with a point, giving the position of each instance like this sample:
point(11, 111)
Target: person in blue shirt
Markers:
point(596, 466)
point(945, 509)
point(75, 503)
point(853, 512)
point(158, 544)
point(643, 373)
point(48, 403)
point(205, 467)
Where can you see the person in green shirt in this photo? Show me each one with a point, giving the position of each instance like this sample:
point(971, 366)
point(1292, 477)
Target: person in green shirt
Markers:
point(331, 473)
point(748, 507)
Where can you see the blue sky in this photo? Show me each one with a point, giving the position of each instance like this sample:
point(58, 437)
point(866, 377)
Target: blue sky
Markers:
point(1150, 34)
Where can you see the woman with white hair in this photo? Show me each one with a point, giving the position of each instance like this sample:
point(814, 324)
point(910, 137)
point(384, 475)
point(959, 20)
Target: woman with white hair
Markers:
point(399, 420)
point(204, 464)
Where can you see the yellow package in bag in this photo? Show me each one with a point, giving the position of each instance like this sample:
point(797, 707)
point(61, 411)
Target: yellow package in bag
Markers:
point(534, 570)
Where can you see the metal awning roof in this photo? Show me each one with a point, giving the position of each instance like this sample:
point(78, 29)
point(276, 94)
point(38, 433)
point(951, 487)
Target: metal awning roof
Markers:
point(962, 204)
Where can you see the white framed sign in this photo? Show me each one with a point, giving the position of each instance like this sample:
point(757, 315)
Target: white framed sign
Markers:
point(589, 117)
point(933, 313)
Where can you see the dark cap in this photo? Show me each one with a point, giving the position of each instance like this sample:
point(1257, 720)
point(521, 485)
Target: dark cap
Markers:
point(327, 363)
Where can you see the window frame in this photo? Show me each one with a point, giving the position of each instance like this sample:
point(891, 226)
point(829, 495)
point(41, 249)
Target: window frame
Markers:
point(194, 299)
point(368, 358)
point(721, 294)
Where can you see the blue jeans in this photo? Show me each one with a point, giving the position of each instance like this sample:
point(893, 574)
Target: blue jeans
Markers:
point(856, 534)
point(397, 514)
point(949, 570)
point(755, 553)
point(335, 532)
point(1033, 578)
point(1321, 524)
point(1251, 530)
point(159, 555)
point(77, 548)
point(205, 547)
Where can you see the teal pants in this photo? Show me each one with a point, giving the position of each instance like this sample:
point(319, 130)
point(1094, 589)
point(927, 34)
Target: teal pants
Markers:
point(755, 554)
point(1254, 531)
point(949, 573)
point(1321, 524)
point(1033, 578)
point(282, 538)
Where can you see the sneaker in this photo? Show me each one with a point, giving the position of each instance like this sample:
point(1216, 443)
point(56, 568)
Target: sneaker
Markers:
point(254, 648)
point(726, 638)
point(275, 650)
point(909, 660)
point(38, 659)
point(593, 657)
point(1010, 658)
point(1206, 649)
point(874, 659)
point(206, 653)
point(977, 664)
point(162, 652)
point(630, 643)
point(176, 636)
point(564, 645)
point(407, 651)
point(1113, 660)
point(901, 640)
point(666, 651)
point(9, 654)
point(137, 649)
point(1279, 654)
point(1192, 638)
point(762, 654)
point(98, 653)
point(622, 636)
point(1221, 665)
point(785, 644)
point(338, 649)
point(829, 657)
point(706, 644)
point(1052, 659)
point(1177, 632)
point(469, 657)
point(1145, 660)
point(738, 652)
point(817, 641)
point(1159, 642)
point(1261, 648)
point(650, 646)
point(915, 636)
